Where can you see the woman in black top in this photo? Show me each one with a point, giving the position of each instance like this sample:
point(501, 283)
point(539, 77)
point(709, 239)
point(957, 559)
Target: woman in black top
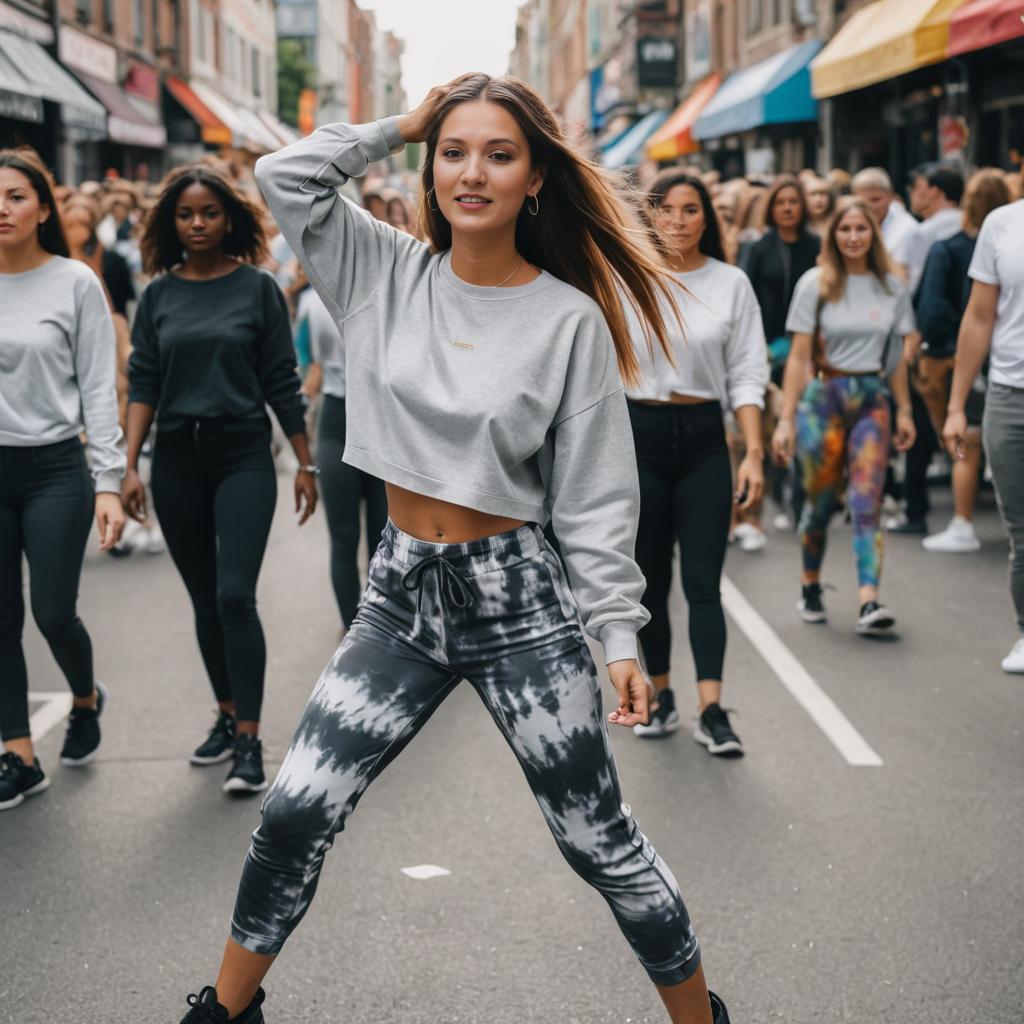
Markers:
point(212, 346)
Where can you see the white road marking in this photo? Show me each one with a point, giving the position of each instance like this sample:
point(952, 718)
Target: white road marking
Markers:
point(55, 707)
point(425, 871)
point(795, 678)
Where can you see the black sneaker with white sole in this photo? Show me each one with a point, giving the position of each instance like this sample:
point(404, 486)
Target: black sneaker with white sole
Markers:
point(246, 775)
point(82, 739)
point(219, 745)
point(810, 606)
point(19, 780)
point(875, 620)
point(663, 720)
point(206, 1010)
point(714, 732)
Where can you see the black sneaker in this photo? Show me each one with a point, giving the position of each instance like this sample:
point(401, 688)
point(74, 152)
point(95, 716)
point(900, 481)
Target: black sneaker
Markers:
point(206, 1010)
point(663, 720)
point(246, 775)
point(219, 745)
point(82, 739)
point(19, 780)
point(810, 606)
point(714, 732)
point(875, 620)
point(719, 1014)
point(907, 527)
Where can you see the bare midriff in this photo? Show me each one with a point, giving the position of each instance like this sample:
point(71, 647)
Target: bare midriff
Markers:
point(442, 522)
point(674, 399)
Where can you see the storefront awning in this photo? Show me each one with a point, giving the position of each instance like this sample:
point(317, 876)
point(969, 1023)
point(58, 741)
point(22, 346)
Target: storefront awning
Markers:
point(628, 149)
point(244, 133)
point(19, 100)
point(982, 23)
point(211, 129)
point(78, 110)
point(774, 91)
point(281, 131)
point(883, 40)
point(127, 123)
point(674, 138)
point(258, 131)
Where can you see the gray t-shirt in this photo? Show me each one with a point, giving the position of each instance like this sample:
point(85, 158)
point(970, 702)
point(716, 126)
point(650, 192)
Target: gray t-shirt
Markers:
point(855, 328)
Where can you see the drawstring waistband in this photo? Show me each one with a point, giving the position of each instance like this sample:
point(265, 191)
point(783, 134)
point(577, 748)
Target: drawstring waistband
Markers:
point(453, 586)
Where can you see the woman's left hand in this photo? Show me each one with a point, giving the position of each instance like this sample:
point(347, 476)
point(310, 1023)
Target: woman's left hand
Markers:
point(906, 432)
point(110, 519)
point(750, 481)
point(635, 693)
point(305, 494)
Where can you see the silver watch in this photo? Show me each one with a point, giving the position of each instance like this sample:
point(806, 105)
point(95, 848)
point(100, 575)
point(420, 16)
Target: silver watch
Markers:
point(312, 470)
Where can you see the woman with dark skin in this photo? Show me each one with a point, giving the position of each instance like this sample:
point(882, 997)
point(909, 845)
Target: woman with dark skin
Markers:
point(211, 347)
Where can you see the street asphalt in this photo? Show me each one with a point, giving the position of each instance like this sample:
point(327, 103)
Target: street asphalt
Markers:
point(821, 891)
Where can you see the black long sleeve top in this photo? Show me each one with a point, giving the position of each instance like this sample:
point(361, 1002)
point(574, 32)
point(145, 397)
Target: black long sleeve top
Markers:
point(216, 350)
point(942, 295)
point(765, 263)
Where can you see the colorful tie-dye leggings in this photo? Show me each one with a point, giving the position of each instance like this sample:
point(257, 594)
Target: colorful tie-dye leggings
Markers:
point(497, 612)
point(843, 431)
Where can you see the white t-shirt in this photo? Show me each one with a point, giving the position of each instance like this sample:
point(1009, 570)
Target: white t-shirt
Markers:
point(856, 328)
point(325, 344)
point(999, 259)
point(895, 227)
point(722, 354)
point(912, 249)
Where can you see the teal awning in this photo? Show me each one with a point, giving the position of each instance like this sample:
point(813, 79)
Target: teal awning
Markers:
point(774, 91)
point(628, 149)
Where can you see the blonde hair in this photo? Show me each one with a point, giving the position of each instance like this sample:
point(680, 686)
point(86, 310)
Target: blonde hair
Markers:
point(832, 285)
point(586, 231)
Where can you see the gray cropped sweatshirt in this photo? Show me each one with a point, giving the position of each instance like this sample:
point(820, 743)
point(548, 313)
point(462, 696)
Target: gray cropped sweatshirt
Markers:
point(505, 400)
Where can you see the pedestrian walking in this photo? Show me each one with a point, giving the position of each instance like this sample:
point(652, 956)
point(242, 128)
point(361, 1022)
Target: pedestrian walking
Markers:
point(212, 346)
point(993, 326)
point(941, 300)
point(874, 186)
point(57, 363)
point(821, 204)
point(485, 389)
point(850, 321)
point(676, 411)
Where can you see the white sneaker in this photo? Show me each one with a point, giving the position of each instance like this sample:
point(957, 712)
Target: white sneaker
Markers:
point(155, 543)
point(959, 537)
point(754, 540)
point(1014, 661)
point(744, 529)
point(782, 522)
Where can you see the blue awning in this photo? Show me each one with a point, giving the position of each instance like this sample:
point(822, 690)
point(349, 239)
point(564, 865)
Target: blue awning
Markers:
point(628, 149)
point(775, 91)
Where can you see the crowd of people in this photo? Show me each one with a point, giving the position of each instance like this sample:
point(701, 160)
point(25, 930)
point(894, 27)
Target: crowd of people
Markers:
point(450, 370)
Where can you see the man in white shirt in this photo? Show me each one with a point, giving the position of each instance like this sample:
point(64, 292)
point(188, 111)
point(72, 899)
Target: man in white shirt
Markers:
point(935, 193)
point(993, 326)
point(874, 186)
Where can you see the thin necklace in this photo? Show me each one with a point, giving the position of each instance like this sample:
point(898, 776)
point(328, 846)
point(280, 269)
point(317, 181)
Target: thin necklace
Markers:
point(506, 280)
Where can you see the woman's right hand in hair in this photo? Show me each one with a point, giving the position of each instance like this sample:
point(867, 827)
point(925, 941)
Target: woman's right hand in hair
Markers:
point(783, 442)
point(413, 126)
point(133, 496)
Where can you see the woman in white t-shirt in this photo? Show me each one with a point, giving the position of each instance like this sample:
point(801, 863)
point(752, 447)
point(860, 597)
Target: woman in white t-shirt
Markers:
point(686, 491)
point(849, 318)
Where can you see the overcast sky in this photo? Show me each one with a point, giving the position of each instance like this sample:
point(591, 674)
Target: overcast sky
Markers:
point(444, 38)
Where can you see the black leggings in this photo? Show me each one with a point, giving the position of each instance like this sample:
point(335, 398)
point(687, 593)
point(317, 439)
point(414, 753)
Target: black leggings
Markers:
point(685, 495)
point(214, 492)
point(46, 508)
point(343, 488)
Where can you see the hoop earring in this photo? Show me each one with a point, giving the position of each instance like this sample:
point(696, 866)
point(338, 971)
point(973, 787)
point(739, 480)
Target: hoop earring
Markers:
point(430, 192)
point(535, 209)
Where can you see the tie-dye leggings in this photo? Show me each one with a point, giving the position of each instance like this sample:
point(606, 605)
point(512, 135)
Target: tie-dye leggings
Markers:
point(843, 430)
point(497, 612)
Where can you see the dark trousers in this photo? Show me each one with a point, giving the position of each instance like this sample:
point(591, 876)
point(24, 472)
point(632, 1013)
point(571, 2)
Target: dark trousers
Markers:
point(919, 458)
point(46, 509)
point(685, 496)
point(215, 492)
point(344, 488)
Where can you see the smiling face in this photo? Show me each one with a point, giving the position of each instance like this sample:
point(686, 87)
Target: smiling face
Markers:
point(200, 219)
point(483, 169)
point(679, 218)
point(787, 207)
point(854, 235)
point(21, 212)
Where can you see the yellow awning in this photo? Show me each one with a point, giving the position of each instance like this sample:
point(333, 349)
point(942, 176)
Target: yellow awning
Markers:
point(883, 40)
point(673, 138)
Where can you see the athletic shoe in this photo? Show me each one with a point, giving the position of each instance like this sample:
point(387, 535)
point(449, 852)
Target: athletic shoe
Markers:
point(219, 745)
point(82, 739)
point(1014, 661)
point(810, 606)
point(664, 719)
point(752, 540)
point(206, 1010)
point(714, 732)
point(719, 1014)
point(782, 522)
point(246, 775)
point(902, 525)
point(155, 543)
point(19, 780)
point(875, 620)
point(958, 537)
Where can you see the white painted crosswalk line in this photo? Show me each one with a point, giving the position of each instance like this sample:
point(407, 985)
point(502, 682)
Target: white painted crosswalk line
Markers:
point(797, 680)
point(421, 871)
point(54, 708)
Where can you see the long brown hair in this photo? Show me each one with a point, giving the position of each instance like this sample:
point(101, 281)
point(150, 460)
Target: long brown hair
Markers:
point(586, 231)
point(986, 190)
point(28, 162)
point(833, 269)
point(784, 181)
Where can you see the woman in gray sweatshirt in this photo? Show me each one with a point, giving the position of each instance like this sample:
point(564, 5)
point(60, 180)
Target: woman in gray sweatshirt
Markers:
point(57, 364)
point(483, 386)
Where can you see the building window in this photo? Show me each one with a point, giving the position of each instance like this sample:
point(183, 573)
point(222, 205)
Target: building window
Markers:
point(755, 21)
point(139, 18)
point(256, 78)
point(776, 12)
point(83, 11)
point(108, 16)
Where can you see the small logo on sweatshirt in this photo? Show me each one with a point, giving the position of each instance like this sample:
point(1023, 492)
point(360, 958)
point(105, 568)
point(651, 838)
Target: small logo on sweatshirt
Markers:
point(462, 344)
